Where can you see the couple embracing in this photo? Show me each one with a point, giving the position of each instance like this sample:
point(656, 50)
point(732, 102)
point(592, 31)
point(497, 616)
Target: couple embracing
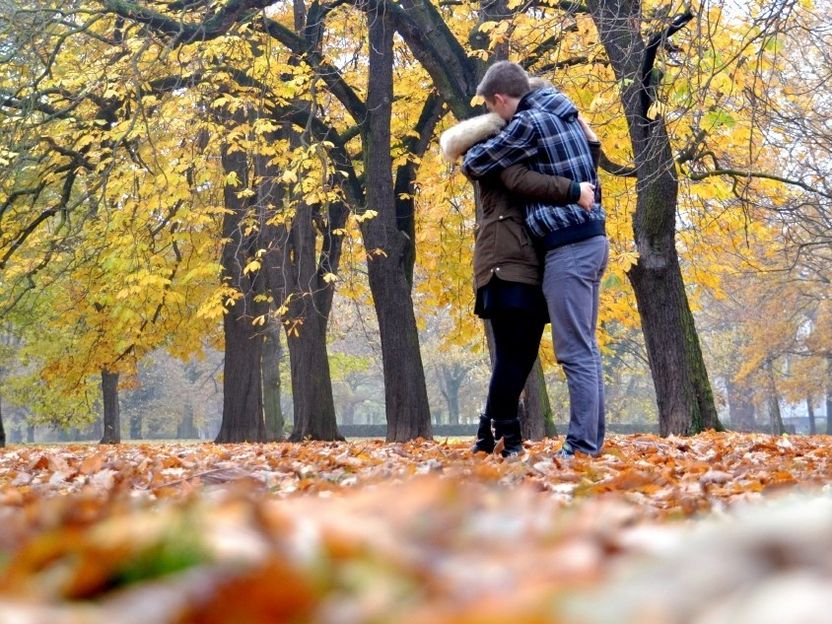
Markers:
point(541, 248)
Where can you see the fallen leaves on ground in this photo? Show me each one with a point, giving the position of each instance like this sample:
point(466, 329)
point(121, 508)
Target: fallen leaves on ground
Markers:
point(415, 532)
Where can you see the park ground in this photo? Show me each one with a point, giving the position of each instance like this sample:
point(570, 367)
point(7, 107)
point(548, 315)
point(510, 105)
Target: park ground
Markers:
point(716, 528)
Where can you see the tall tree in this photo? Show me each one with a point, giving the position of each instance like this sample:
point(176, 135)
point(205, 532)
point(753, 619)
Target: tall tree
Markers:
point(408, 414)
point(683, 390)
point(242, 384)
point(110, 408)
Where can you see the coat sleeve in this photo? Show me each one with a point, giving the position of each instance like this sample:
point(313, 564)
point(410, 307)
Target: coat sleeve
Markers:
point(534, 186)
point(516, 143)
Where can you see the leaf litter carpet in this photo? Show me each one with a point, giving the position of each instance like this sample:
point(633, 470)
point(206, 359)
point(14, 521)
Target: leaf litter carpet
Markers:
point(712, 529)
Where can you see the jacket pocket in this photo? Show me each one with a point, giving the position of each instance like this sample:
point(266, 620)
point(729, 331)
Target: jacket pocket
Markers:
point(511, 236)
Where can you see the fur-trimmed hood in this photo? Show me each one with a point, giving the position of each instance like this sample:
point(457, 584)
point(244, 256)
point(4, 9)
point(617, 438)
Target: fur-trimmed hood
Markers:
point(457, 140)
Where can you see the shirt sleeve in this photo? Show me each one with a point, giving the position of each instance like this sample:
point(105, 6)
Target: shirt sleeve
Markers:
point(516, 143)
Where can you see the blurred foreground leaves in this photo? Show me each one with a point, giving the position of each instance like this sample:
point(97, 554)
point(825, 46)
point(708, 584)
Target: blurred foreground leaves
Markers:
point(655, 530)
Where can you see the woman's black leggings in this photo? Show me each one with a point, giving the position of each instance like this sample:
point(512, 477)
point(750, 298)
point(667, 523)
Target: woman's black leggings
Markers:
point(516, 343)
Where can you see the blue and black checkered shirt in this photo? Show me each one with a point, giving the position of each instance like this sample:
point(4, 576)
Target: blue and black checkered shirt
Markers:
point(545, 135)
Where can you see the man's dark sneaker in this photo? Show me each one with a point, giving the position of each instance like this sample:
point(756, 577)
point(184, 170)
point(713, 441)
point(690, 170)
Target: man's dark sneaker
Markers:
point(565, 452)
point(485, 437)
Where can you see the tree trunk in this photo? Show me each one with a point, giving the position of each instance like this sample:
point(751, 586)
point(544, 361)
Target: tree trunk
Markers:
point(270, 367)
point(740, 409)
point(242, 410)
point(452, 399)
point(186, 429)
point(136, 426)
point(348, 413)
point(810, 412)
point(112, 419)
point(314, 408)
point(297, 280)
point(405, 393)
point(683, 391)
point(30, 433)
point(829, 394)
point(535, 411)
point(451, 378)
point(2, 429)
point(773, 401)
point(97, 430)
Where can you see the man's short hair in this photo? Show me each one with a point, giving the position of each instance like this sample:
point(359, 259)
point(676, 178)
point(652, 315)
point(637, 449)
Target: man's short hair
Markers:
point(506, 78)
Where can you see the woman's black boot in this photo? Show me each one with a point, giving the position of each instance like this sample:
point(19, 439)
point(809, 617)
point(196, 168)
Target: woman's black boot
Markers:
point(485, 437)
point(509, 431)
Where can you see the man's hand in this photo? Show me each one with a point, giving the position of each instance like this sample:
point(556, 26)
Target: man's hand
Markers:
point(587, 198)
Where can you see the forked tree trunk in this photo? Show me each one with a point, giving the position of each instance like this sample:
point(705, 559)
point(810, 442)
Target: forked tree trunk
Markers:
point(405, 393)
point(112, 419)
point(297, 263)
point(451, 378)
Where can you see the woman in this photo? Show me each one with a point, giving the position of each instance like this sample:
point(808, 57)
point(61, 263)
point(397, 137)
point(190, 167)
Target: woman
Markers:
point(508, 272)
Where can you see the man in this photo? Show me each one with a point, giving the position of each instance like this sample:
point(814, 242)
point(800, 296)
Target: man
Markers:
point(545, 133)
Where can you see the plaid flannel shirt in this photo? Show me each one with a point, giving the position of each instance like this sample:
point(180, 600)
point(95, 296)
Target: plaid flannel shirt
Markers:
point(545, 135)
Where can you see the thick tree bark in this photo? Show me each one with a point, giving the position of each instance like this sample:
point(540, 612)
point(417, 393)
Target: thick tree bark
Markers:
point(405, 393)
point(242, 411)
point(270, 367)
point(810, 412)
point(683, 391)
point(112, 420)
point(314, 408)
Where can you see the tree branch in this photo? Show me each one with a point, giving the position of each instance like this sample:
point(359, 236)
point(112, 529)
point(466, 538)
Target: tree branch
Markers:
point(648, 84)
point(329, 74)
point(739, 173)
point(622, 171)
point(182, 32)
